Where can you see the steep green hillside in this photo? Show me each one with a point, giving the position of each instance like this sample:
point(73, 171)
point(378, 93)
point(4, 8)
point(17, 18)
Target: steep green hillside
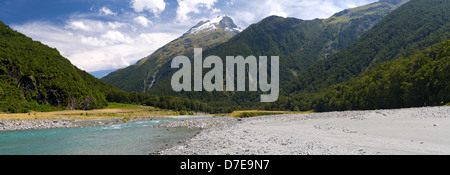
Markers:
point(35, 76)
point(406, 31)
point(422, 79)
point(409, 29)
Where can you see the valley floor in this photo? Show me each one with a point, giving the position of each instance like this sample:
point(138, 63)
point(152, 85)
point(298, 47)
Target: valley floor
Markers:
point(414, 131)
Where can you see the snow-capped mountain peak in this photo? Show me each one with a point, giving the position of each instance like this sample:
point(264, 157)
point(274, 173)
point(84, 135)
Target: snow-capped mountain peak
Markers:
point(222, 21)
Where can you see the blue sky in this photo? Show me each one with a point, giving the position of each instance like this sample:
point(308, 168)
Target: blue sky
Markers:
point(98, 35)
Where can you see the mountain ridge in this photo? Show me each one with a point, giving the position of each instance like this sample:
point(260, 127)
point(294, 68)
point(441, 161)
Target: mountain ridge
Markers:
point(419, 80)
point(410, 29)
point(299, 44)
point(320, 40)
point(142, 76)
point(221, 21)
point(399, 36)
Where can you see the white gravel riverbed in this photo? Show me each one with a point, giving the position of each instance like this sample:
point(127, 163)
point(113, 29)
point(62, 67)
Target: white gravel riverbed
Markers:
point(414, 131)
point(35, 124)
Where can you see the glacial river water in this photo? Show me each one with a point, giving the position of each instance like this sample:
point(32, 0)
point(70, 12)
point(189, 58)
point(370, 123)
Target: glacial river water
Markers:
point(137, 138)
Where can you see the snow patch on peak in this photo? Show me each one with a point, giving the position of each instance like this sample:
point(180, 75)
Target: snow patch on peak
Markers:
point(218, 19)
point(222, 21)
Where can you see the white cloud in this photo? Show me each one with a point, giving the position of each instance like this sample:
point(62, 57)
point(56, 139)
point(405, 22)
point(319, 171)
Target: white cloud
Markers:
point(185, 7)
point(120, 55)
point(112, 46)
point(116, 37)
point(106, 40)
point(142, 21)
point(276, 8)
point(86, 25)
point(215, 11)
point(106, 11)
point(231, 2)
point(78, 25)
point(116, 25)
point(154, 6)
point(303, 9)
point(93, 41)
point(351, 5)
point(278, 13)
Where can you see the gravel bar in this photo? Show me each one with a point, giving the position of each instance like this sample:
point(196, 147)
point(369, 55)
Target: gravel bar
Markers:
point(415, 131)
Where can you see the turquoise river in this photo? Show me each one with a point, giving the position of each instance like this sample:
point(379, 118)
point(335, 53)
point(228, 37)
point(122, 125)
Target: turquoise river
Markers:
point(138, 138)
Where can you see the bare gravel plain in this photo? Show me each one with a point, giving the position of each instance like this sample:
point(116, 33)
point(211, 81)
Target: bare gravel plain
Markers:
point(415, 131)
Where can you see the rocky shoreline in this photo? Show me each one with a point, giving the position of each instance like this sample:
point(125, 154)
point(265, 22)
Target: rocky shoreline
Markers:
point(35, 124)
point(208, 123)
point(17, 125)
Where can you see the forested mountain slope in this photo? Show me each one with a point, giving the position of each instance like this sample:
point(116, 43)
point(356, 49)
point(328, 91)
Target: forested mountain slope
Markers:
point(422, 79)
point(35, 76)
point(409, 29)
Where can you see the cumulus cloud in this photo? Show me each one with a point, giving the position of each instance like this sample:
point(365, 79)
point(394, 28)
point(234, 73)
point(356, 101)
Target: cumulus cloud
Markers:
point(78, 25)
point(108, 40)
point(86, 25)
point(154, 6)
point(115, 25)
point(106, 11)
point(185, 7)
point(142, 20)
point(278, 13)
point(303, 9)
point(114, 45)
point(115, 37)
point(231, 2)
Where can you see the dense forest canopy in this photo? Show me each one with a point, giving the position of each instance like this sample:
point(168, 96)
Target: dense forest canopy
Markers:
point(422, 79)
point(406, 31)
point(35, 76)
